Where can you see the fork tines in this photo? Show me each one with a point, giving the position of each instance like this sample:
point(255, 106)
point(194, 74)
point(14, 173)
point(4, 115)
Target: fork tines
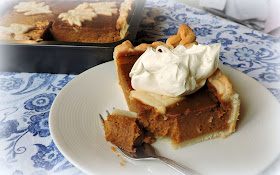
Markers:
point(108, 113)
point(102, 119)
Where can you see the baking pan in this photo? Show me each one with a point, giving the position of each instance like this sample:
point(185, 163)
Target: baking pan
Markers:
point(62, 57)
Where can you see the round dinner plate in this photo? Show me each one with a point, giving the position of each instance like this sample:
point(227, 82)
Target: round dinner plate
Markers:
point(78, 133)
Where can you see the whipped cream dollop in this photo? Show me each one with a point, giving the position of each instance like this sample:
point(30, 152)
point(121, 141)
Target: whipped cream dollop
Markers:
point(176, 72)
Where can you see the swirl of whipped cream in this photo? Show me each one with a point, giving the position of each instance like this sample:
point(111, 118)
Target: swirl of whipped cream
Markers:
point(176, 72)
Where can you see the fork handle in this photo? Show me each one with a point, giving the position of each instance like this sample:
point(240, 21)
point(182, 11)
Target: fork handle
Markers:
point(178, 167)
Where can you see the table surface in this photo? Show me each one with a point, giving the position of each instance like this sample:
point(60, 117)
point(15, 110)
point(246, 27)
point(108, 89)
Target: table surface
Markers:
point(26, 146)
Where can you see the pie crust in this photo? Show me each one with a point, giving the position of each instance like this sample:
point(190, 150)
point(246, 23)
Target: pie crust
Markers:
point(75, 21)
point(209, 113)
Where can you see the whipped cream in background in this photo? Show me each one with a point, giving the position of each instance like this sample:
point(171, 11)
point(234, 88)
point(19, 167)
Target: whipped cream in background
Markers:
point(176, 72)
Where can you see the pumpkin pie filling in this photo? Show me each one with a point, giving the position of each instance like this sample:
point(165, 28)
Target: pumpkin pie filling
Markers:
point(102, 29)
point(75, 21)
point(208, 112)
point(123, 129)
point(199, 113)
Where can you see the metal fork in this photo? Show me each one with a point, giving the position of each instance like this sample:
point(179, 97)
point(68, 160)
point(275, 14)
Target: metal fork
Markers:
point(147, 152)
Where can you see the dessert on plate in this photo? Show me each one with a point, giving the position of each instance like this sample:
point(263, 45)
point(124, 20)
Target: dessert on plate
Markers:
point(176, 88)
point(74, 21)
point(123, 129)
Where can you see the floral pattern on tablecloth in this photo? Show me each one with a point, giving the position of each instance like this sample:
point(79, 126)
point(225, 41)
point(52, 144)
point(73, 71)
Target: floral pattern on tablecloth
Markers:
point(25, 98)
point(249, 51)
point(26, 145)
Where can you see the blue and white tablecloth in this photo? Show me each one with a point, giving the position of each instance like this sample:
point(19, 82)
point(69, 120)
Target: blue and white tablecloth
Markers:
point(26, 147)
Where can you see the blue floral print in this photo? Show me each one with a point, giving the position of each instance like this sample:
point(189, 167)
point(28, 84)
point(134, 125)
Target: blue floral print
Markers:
point(202, 31)
point(47, 156)
point(40, 102)
point(275, 92)
point(39, 125)
point(192, 21)
point(7, 128)
point(223, 41)
point(270, 77)
point(240, 39)
point(64, 81)
point(12, 83)
point(245, 54)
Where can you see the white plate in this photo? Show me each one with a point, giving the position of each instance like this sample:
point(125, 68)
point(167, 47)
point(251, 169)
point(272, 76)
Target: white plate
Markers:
point(77, 131)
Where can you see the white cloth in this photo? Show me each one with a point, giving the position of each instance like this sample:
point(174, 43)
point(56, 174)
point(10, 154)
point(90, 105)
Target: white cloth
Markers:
point(216, 4)
point(247, 9)
point(273, 19)
point(239, 9)
point(263, 13)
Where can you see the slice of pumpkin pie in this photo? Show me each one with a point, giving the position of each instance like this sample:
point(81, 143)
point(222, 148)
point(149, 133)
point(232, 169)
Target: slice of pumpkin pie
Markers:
point(177, 89)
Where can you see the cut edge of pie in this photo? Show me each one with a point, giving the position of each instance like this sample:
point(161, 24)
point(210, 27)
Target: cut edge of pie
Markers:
point(225, 94)
point(218, 82)
point(124, 130)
